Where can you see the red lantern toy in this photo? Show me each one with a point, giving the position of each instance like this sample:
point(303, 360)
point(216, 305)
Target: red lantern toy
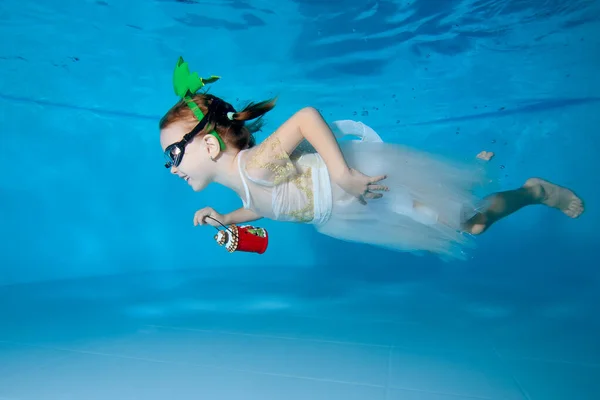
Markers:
point(246, 238)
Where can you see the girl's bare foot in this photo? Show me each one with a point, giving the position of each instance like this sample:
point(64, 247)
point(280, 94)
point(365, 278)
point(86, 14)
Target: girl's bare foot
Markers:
point(485, 155)
point(555, 196)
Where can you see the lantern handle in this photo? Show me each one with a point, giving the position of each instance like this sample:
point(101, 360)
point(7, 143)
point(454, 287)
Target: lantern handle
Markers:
point(220, 223)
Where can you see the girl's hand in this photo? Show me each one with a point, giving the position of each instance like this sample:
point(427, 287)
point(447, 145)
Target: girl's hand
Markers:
point(361, 186)
point(200, 217)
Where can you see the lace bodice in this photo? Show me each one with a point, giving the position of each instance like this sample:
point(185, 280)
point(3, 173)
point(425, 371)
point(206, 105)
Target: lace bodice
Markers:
point(280, 186)
point(292, 187)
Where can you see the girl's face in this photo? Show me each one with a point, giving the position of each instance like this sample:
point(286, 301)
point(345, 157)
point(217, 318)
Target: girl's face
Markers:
point(196, 166)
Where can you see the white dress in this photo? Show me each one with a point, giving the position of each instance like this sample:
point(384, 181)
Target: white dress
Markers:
point(429, 197)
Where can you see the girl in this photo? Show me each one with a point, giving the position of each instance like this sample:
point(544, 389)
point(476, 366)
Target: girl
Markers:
point(362, 190)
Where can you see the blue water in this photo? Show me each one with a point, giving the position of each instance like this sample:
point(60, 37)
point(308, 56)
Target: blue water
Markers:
point(108, 291)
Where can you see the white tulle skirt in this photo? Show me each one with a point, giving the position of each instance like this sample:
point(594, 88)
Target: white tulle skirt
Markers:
point(429, 198)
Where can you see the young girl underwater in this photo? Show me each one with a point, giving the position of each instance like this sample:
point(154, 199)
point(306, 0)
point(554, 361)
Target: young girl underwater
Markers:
point(361, 190)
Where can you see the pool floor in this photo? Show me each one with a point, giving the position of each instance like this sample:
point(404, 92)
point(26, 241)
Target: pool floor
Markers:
point(86, 351)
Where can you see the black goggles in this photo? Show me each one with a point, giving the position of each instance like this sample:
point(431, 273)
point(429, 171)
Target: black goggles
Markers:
point(174, 152)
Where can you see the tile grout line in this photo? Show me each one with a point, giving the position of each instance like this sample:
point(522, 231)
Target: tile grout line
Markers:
point(213, 366)
point(301, 339)
point(354, 319)
point(550, 361)
point(524, 109)
point(269, 336)
point(328, 317)
point(389, 373)
point(298, 339)
point(445, 394)
point(100, 111)
point(512, 375)
point(389, 387)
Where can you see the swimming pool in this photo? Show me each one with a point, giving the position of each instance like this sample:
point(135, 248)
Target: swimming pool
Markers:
point(107, 290)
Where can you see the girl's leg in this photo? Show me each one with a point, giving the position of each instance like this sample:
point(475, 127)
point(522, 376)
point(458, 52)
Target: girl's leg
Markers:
point(535, 191)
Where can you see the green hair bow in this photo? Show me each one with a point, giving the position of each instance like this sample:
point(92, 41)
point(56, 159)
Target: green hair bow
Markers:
point(186, 84)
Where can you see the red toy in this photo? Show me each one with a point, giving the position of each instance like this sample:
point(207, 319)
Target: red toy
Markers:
point(245, 238)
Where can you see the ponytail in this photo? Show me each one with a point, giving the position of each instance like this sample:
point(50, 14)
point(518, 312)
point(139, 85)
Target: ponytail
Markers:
point(254, 110)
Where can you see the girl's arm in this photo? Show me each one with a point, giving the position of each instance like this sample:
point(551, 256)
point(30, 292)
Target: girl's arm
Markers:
point(208, 216)
point(309, 124)
point(240, 216)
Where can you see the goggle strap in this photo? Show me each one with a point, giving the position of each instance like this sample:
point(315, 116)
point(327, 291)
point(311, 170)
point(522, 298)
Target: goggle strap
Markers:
point(200, 116)
point(194, 107)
